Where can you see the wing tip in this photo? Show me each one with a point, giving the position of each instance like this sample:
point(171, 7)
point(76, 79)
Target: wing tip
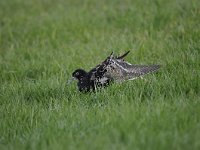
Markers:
point(120, 57)
point(156, 67)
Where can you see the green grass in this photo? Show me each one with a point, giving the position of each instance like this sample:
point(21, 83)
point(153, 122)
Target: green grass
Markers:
point(42, 42)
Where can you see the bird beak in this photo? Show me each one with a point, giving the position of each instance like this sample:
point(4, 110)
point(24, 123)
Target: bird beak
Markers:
point(70, 80)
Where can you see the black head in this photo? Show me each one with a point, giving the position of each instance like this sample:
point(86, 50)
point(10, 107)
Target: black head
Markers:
point(79, 74)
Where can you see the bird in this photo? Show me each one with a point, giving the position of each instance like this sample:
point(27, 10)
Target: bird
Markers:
point(112, 69)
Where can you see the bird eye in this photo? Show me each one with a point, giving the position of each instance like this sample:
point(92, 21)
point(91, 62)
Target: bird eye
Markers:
point(77, 73)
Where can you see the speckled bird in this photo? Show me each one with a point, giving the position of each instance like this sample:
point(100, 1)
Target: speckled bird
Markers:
point(112, 69)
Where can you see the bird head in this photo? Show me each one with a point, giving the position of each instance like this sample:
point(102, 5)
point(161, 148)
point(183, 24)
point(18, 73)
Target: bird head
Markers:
point(79, 74)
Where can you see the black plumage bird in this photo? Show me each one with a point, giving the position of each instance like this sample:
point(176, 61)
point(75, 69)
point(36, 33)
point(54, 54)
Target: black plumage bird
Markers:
point(112, 69)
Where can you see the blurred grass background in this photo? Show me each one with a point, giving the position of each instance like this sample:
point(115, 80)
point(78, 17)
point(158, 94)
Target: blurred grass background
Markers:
point(43, 41)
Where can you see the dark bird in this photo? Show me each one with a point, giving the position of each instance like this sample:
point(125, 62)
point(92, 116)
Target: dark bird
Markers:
point(112, 69)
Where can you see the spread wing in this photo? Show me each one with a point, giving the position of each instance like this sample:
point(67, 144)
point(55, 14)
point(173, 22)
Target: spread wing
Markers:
point(100, 74)
point(121, 70)
point(116, 69)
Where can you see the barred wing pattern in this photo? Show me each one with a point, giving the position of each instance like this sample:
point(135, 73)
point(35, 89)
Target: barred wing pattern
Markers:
point(120, 70)
point(116, 69)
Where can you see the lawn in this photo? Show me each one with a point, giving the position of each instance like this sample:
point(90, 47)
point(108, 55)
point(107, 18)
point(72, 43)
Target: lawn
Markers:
point(42, 42)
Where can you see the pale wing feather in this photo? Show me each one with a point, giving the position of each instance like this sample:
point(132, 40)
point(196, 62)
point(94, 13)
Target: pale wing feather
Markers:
point(121, 70)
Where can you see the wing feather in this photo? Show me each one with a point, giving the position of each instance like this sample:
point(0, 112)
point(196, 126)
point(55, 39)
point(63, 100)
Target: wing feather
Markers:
point(115, 68)
point(121, 70)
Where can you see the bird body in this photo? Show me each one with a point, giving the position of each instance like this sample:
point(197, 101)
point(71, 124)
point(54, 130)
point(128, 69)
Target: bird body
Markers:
point(112, 69)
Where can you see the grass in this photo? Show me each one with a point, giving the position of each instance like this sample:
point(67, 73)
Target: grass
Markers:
point(43, 42)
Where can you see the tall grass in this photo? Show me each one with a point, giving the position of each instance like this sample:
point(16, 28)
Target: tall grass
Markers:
point(43, 42)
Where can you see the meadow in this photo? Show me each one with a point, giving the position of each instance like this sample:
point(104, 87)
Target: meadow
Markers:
point(42, 42)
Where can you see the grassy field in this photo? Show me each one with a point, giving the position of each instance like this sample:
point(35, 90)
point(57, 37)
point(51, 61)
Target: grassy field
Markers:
point(43, 41)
